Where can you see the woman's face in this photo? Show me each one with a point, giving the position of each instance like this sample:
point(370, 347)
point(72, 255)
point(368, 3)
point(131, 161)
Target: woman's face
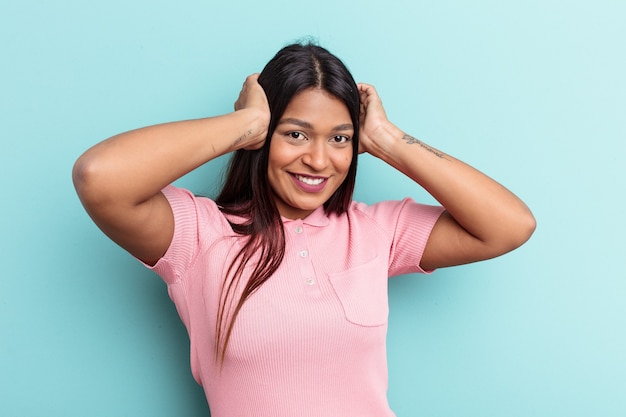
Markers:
point(310, 152)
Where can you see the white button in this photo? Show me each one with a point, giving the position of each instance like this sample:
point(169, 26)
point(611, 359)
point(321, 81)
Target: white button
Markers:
point(310, 281)
point(298, 229)
point(303, 253)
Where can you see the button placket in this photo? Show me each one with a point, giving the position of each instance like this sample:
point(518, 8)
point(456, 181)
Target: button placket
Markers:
point(307, 273)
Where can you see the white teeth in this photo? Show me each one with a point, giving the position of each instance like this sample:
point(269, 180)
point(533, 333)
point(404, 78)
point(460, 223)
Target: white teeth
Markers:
point(310, 181)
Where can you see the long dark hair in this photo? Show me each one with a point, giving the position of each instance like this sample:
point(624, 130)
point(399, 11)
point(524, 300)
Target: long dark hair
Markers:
point(247, 192)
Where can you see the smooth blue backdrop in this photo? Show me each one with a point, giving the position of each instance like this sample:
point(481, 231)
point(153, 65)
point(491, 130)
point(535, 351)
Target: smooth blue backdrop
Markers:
point(531, 92)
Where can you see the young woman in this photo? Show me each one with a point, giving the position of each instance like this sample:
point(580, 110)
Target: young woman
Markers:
point(281, 281)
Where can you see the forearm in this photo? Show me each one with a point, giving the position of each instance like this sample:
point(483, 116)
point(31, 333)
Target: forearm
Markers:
point(484, 208)
point(136, 165)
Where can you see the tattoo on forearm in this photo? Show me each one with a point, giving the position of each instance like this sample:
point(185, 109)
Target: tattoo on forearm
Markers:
point(241, 138)
point(411, 140)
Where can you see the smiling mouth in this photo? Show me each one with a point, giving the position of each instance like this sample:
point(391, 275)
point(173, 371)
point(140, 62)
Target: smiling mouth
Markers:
point(309, 180)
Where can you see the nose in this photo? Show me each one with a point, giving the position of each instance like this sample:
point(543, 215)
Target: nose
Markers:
point(316, 155)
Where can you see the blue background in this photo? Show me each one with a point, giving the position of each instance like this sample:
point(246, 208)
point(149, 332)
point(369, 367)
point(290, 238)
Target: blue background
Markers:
point(530, 92)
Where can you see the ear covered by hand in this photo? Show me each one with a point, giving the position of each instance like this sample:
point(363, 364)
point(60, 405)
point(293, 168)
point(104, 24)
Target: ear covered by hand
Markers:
point(252, 98)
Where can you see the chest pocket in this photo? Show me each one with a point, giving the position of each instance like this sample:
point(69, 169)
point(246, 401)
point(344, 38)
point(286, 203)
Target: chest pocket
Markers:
point(362, 292)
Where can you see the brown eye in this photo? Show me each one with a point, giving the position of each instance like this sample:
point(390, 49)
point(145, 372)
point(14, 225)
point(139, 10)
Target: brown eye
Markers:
point(340, 139)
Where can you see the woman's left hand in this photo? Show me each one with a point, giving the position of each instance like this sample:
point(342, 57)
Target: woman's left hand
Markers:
point(482, 218)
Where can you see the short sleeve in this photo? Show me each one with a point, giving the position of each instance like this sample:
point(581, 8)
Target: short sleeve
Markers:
point(409, 225)
point(196, 220)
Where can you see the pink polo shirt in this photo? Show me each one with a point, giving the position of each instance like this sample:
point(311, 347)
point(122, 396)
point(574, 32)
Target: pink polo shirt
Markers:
point(310, 342)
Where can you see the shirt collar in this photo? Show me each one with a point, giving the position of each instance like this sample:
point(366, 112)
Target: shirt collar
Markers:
point(317, 218)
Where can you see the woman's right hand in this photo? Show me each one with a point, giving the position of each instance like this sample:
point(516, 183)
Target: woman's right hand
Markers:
point(252, 97)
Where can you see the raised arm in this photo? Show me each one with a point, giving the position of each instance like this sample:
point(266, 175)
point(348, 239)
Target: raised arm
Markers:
point(119, 180)
point(482, 219)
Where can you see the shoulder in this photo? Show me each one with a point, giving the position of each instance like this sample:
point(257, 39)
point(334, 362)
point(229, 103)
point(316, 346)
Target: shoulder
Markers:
point(385, 207)
point(397, 219)
point(184, 198)
point(392, 211)
point(370, 221)
point(201, 211)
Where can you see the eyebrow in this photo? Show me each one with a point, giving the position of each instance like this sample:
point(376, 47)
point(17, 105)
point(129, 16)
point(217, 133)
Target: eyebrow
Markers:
point(307, 125)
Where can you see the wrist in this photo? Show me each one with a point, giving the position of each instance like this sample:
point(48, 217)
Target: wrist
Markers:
point(383, 141)
point(254, 126)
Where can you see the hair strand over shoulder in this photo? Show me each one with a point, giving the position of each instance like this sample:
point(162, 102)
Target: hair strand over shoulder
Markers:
point(247, 192)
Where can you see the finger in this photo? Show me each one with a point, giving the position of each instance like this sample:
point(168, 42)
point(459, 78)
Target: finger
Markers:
point(366, 88)
point(367, 92)
point(252, 78)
